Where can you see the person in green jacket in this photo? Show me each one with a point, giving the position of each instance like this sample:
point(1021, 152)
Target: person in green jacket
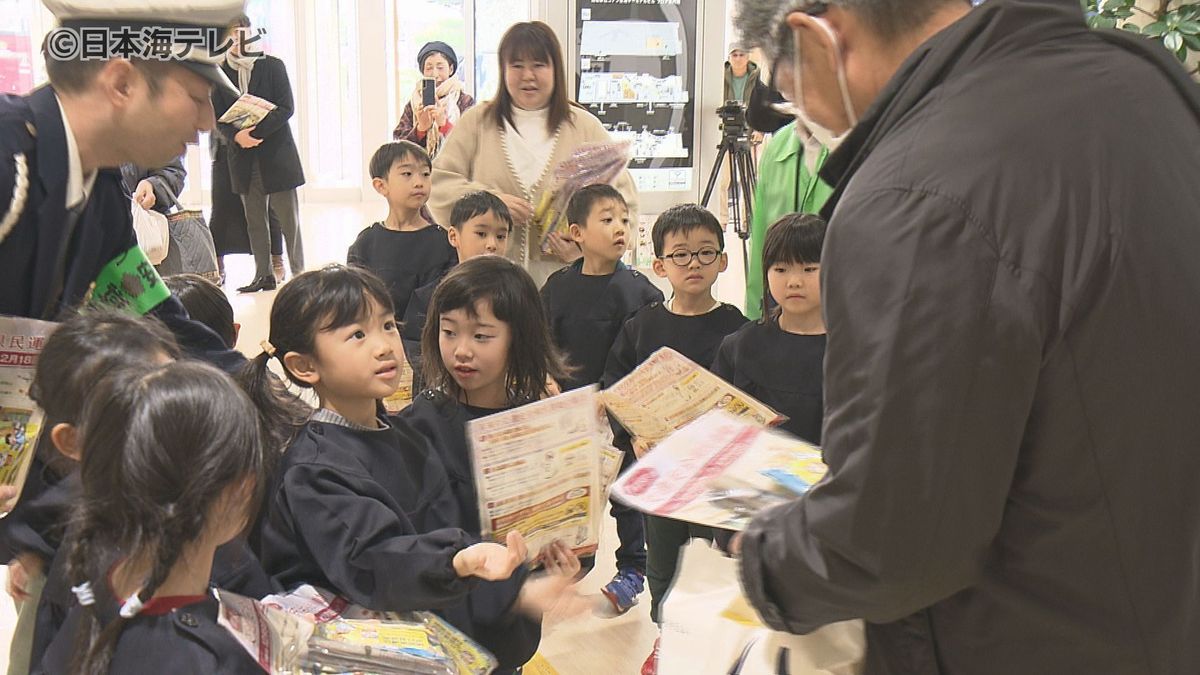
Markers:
point(787, 183)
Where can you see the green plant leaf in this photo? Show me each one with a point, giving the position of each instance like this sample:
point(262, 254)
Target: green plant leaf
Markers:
point(1131, 27)
point(1101, 21)
point(1192, 42)
point(1173, 40)
point(1189, 27)
point(1156, 29)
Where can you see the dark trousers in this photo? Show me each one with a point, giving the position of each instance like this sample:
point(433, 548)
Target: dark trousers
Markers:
point(631, 532)
point(631, 528)
point(285, 207)
point(664, 538)
point(276, 234)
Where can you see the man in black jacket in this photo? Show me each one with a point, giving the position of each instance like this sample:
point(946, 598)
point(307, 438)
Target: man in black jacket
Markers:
point(264, 164)
point(1011, 376)
point(64, 216)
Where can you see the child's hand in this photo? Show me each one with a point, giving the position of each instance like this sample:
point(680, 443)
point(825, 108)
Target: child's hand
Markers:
point(735, 545)
point(558, 558)
point(23, 569)
point(8, 493)
point(641, 447)
point(492, 562)
point(551, 595)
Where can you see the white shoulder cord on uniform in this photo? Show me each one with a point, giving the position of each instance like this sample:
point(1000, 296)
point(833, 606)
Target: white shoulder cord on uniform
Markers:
point(20, 193)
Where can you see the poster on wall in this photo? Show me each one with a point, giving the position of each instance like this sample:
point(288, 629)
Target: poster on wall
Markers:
point(637, 75)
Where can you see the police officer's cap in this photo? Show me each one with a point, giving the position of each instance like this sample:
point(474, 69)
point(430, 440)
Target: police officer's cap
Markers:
point(173, 15)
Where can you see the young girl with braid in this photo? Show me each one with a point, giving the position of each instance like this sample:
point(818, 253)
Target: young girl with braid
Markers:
point(172, 462)
point(79, 353)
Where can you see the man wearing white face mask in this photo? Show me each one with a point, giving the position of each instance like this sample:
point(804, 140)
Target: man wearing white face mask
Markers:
point(1010, 378)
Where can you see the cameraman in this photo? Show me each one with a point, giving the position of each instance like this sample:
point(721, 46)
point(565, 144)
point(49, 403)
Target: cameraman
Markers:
point(1010, 289)
point(741, 77)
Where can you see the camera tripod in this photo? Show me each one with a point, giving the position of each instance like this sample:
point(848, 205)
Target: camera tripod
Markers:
point(743, 176)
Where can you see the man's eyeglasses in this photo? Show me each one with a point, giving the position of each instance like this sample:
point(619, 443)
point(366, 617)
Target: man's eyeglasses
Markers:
point(706, 256)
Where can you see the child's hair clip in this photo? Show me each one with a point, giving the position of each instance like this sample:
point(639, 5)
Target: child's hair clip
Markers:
point(268, 348)
point(132, 607)
point(83, 592)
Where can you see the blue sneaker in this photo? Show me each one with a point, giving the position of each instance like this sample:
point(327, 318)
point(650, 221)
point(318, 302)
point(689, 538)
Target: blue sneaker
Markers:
point(624, 588)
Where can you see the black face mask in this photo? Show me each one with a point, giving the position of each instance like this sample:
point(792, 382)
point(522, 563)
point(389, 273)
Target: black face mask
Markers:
point(760, 115)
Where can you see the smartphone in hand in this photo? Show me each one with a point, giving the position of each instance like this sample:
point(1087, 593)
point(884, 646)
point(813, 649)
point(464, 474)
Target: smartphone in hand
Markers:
point(428, 91)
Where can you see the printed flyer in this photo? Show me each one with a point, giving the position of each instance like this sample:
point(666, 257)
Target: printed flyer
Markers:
point(668, 390)
point(21, 340)
point(720, 471)
point(538, 471)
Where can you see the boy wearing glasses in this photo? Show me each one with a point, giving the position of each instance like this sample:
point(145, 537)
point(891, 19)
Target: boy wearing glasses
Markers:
point(689, 252)
point(586, 305)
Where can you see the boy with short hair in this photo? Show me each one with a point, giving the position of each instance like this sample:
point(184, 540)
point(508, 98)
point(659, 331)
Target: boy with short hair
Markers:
point(405, 250)
point(479, 225)
point(588, 302)
point(586, 305)
point(689, 252)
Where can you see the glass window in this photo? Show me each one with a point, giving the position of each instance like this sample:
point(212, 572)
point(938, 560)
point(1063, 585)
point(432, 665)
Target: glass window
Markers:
point(334, 117)
point(16, 46)
point(492, 18)
point(23, 25)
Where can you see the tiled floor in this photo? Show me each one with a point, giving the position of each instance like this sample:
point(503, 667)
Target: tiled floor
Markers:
point(594, 644)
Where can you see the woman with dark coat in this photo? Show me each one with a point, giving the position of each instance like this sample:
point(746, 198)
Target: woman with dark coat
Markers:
point(264, 164)
point(228, 218)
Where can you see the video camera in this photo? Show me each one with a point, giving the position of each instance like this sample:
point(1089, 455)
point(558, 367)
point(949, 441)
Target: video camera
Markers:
point(733, 119)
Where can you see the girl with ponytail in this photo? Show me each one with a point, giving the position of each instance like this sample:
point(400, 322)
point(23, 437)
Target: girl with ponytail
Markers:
point(172, 464)
point(361, 504)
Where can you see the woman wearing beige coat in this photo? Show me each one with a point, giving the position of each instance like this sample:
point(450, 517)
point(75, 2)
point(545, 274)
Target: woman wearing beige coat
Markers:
point(511, 145)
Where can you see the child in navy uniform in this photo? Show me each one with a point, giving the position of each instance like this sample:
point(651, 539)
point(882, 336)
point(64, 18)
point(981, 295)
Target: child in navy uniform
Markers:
point(487, 349)
point(405, 250)
point(479, 225)
point(361, 504)
point(587, 303)
point(75, 356)
point(795, 327)
point(688, 250)
point(205, 302)
point(172, 463)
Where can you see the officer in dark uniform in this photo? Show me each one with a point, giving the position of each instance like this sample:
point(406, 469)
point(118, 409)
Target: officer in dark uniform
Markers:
point(66, 233)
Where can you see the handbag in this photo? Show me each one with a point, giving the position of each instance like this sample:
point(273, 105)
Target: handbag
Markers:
point(709, 627)
point(191, 250)
point(153, 233)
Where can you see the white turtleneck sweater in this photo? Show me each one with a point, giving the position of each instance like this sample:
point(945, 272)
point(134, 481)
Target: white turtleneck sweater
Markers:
point(529, 145)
